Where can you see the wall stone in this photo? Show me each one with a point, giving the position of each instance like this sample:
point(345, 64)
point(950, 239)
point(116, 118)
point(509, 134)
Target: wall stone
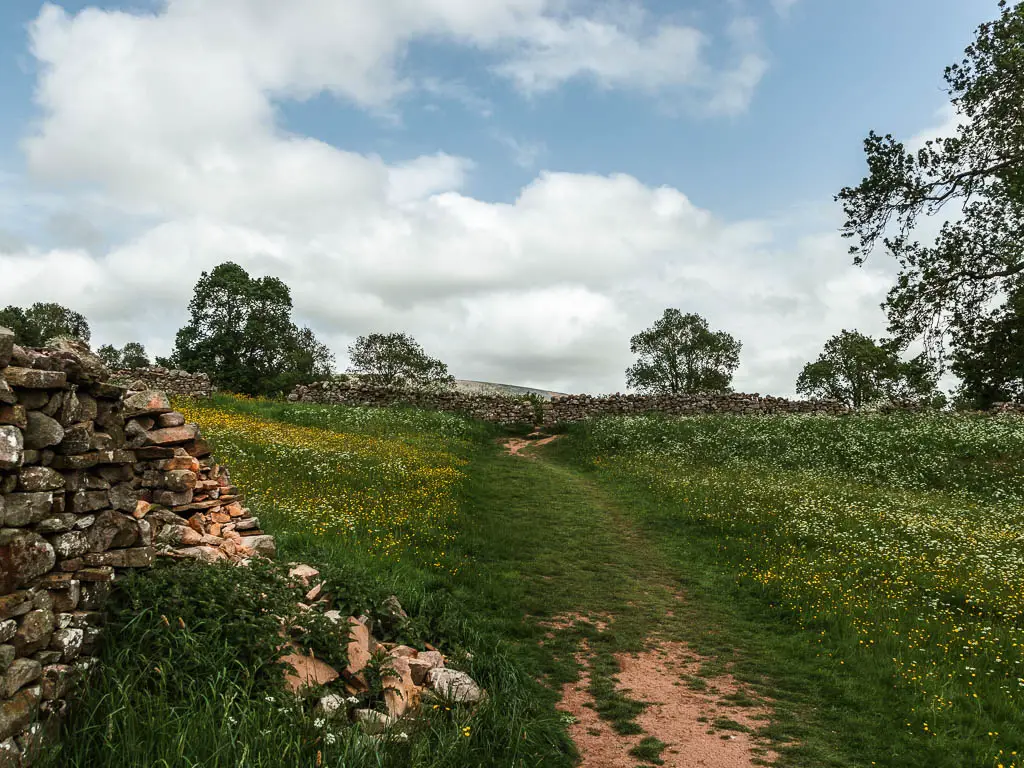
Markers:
point(579, 407)
point(508, 410)
point(495, 408)
point(169, 380)
point(95, 479)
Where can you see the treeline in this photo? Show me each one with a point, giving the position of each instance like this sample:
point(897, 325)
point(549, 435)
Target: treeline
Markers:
point(240, 331)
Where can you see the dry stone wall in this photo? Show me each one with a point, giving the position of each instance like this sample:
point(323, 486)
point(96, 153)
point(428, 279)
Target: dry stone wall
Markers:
point(94, 480)
point(503, 409)
point(579, 407)
point(496, 408)
point(169, 380)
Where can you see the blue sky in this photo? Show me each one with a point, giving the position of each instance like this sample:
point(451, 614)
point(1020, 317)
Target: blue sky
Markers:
point(526, 238)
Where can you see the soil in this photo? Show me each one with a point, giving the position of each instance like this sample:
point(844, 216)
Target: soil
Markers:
point(516, 445)
point(676, 714)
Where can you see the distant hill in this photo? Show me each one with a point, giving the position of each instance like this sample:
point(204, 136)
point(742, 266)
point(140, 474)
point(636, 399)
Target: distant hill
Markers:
point(490, 388)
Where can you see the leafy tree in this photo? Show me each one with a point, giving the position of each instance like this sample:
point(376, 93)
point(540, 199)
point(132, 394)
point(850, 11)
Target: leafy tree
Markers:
point(856, 370)
point(681, 354)
point(990, 362)
point(952, 288)
point(132, 355)
point(241, 333)
point(34, 326)
point(396, 360)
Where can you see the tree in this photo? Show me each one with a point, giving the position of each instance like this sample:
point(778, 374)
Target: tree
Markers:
point(396, 360)
point(681, 354)
point(132, 355)
point(856, 370)
point(990, 362)
point(241, 333)
point(34, 326)
point(948, 290)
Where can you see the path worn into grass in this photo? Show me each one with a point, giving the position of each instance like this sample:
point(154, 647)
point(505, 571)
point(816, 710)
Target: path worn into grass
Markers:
point(612, 613)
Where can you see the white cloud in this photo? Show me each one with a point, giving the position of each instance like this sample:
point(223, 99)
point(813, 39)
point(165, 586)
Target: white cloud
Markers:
point(171, 119)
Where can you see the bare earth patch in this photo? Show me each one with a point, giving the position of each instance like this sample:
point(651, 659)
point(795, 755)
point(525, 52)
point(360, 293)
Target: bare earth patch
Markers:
point(515, 445)
point(684, 718)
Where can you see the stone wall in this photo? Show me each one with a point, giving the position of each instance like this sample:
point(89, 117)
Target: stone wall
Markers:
point(169, 380)
point(94, 480)
point(495, 408)
point(579, 407)
point(504, 409)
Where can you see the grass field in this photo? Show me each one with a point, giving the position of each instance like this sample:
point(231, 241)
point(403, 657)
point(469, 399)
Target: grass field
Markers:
point(893, 543)
point(863, 574)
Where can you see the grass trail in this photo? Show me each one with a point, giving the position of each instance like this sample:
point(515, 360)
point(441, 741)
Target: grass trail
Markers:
point(551, 539)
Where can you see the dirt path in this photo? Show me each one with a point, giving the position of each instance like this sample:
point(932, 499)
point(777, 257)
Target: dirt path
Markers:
point(699, 726)
point(517, 445)
point(699, 712)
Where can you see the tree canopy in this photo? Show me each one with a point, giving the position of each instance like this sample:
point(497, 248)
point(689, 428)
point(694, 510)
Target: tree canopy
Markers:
point(681, 354)
point(856, 370)
point(973, 182)
point(131, 355)
point(34, 326)
point(990, 361)
point(241, 333)
point(396, 360)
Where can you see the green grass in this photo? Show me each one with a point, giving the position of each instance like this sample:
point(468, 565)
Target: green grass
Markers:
point(788, 552)
point(888, 547)
point(649, 750)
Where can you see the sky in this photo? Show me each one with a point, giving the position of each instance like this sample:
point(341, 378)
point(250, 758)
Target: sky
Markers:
point(521, 185)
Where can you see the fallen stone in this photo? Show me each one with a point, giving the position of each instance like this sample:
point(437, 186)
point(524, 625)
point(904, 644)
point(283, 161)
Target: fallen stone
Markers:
point(358, 650)
point(202, 554)
point(330, 706)
point(261, 545)
point(400, 692)
point(306, 671)
point(455, 686)
point(372, 721)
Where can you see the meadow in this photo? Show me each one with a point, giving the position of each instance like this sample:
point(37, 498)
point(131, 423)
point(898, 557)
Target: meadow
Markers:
point(862, 575)
point(894, 543)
